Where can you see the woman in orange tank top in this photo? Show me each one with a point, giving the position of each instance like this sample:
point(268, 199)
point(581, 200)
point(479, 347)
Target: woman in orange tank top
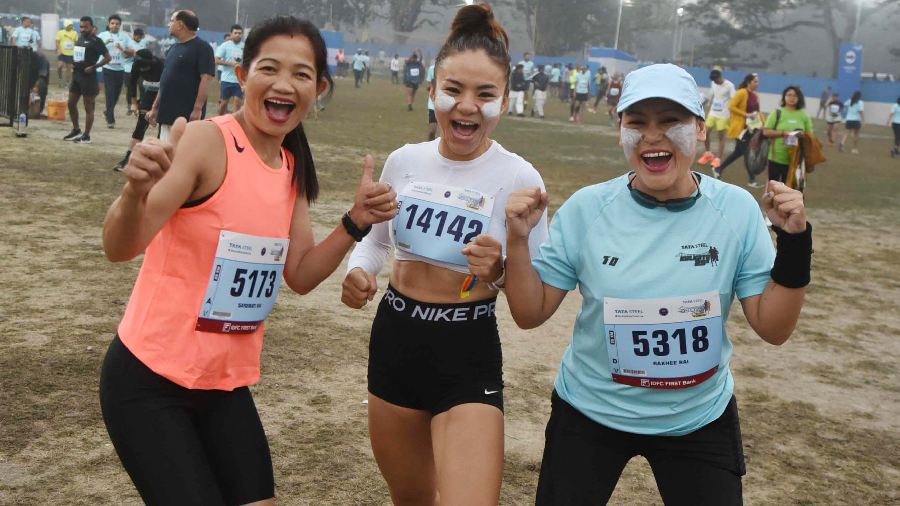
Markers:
point(221, 213)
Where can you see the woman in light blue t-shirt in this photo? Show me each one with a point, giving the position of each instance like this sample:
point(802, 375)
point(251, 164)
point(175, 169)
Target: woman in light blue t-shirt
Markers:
point(658, 254)
point(894, 122)
point(853, 121)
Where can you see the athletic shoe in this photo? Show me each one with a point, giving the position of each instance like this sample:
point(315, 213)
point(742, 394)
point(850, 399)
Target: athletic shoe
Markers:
point(854, 151)
point(754, 184)
point(715, 163)
point(84, 139)
point(895, 152)
point(841, 146)
point(408, 107)
point(715, 173)
point(706, 158)
point(120, 165)
point(74, 135)
point(110, 125)
point(571, 118)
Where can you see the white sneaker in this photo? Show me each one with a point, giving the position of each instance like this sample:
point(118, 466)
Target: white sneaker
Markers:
point(854, 151)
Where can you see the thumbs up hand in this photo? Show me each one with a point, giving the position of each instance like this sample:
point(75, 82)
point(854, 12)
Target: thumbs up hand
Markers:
point(151, 159)
point(374, 201)
point(784, 207)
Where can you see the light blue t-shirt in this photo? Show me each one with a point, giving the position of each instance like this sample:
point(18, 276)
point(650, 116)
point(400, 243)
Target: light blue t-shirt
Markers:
point(583, 82)
point(137, 45)
point(26, 37)
point(609, 246)
point(229, 51)
point(528, 68)
point(554, 75)
point(359, 62)
point(429, 76)
point(854, 110)
point(116, 55)
point(895, 114)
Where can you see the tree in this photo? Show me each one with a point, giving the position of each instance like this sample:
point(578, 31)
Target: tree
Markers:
point(727, 23)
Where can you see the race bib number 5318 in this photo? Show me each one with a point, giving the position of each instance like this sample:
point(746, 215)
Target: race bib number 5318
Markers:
point(243, 284)
point(671, 342)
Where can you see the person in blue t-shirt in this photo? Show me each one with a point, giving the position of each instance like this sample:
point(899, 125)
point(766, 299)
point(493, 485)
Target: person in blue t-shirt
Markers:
point(413, 72)
point(894, 123)
point(229, 55)
point(658, 255)
point(26, 35)
point(120, 47)
point(359, 66)
point(853, 121)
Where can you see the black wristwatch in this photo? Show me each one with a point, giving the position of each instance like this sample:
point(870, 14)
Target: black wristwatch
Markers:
point(352, 229)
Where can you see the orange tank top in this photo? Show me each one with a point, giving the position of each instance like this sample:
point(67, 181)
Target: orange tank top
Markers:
point(163, 324)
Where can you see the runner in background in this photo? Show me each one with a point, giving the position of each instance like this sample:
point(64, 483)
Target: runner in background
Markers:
point(368, 65)
point(432, 119)
point(359, 66)
point(26, 35)
point(785, 126)
point(228, 55)
point(894, 122)
point(120, 46)
point(395, 69)
point(564, 83)
point(412, 77)
point(834, 114)
point(527, 71)
point(745, 119)
point(174, 384)
point(139, 41)
point(436, 383)
point(220, 68)
point(555, 73)
point(717, 117)
point(612, 96)
point(517, 86)
point(658, 255)
point(582, 92)
point(601, 81)
point(65, 47)
point(143, 82)
point(88, 54)
point(540, 81)
point(853, 122)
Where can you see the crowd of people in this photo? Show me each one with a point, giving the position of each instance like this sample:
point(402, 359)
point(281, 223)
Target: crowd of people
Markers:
point(659, 254)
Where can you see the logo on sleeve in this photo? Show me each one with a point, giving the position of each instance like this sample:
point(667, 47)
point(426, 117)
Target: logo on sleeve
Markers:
point(700, 254)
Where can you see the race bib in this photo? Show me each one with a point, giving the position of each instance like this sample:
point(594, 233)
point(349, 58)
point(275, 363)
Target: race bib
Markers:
point(436, 221)
point(718, 105)
point(151, 85)
point(78, 54)
point(834, 108)
point(67, 45)
point(614, 92)
point(243, 284)
point(666, 343)
point(414, 72)
point(115, 56)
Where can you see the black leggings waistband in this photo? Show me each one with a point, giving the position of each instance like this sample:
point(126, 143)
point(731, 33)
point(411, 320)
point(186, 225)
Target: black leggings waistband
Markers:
point(438, 312)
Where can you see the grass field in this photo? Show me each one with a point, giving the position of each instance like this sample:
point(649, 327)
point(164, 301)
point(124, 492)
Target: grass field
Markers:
point(820, 417)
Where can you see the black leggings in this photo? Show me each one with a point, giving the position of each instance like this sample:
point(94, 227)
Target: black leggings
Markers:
point(896, 127)
point(583, 460)
point(740, 150)
point(183, 446)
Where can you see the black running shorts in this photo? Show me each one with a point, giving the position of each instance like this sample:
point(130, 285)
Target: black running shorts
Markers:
point(183, 446)
point(433, 357)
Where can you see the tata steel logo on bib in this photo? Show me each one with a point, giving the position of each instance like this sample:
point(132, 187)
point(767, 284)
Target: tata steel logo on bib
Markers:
point(850, 57)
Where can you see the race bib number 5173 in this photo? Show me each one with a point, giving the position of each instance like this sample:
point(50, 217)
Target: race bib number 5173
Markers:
point(671, 342)
point(243, 283)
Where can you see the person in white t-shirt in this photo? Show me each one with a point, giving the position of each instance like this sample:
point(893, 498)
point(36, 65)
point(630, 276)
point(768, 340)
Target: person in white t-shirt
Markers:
point(395, 69)
point(435, 365)
point(717, 116)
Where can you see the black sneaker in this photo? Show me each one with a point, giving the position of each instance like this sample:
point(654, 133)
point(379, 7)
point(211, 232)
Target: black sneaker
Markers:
point(120, 165)
point(110, 125)
point(84, 139)
point(74, 135)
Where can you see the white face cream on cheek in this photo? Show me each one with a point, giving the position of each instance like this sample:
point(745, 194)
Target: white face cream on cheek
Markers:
point(629, 139)
point(443, 102)
point(684, 137)
point(492, 109)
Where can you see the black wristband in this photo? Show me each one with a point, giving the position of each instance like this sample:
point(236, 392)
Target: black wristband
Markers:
point(793, 257)
point(352, 229)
